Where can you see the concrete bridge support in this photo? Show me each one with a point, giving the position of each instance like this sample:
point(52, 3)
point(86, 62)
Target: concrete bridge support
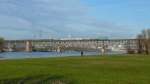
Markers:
point(28, 46)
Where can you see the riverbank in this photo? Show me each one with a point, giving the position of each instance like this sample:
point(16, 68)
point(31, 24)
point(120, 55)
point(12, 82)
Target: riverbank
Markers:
point(114, 69)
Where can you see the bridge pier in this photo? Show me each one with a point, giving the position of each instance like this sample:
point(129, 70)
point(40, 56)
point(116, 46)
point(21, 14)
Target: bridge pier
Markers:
point(28, 46)
point(58, 49)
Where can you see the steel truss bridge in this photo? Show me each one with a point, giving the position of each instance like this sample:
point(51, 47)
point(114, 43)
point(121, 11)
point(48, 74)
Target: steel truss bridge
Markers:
point(60, 45)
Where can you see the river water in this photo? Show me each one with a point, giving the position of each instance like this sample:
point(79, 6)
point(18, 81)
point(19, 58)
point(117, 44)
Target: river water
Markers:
point(44, 54)
point(11, 55)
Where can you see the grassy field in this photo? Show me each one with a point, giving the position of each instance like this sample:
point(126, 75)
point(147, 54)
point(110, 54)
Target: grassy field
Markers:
point(129, 69)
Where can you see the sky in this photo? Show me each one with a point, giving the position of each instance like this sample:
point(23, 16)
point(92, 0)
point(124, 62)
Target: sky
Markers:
point(30, 19)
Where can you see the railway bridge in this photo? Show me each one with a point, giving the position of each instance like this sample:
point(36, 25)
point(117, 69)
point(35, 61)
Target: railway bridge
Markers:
point(60, 45)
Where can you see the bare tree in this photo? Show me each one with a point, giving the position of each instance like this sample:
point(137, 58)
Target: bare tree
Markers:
point(1, 44)
point(140, 43)
point(144, 42)
point(147, 46)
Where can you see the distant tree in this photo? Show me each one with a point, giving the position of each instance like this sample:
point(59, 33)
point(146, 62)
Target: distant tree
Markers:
point(144, 41)
point(147, 46)
point(140, 43)
point(1, 44)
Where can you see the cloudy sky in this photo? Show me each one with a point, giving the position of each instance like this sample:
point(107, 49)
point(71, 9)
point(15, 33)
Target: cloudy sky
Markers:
point(26, 19)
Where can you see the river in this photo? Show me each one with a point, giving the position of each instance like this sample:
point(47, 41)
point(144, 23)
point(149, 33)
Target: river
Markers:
point(11, 55)
point(44, 54)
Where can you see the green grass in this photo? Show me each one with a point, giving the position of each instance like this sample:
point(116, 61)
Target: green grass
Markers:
point(119, 69)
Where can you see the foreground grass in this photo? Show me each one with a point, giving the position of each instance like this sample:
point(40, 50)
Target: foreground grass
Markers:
point(129, 69)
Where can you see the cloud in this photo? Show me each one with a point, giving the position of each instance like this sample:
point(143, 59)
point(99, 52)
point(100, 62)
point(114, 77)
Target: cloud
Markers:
point(52, 17)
